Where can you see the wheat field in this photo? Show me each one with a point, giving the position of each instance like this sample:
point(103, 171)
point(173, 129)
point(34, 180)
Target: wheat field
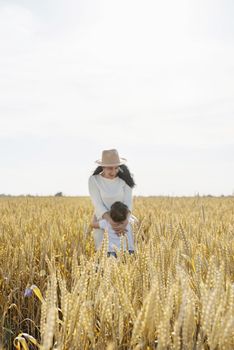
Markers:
point(176, 292)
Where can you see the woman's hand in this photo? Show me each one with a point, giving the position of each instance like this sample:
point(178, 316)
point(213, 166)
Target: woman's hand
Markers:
point(95, 223)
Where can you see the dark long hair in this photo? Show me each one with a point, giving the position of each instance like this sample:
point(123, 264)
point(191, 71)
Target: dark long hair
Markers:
point(123, 173)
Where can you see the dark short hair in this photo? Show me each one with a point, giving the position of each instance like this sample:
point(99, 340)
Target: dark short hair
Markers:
point(119, 211)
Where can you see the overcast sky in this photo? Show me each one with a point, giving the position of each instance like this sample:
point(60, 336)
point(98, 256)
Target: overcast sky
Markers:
point(153, 79)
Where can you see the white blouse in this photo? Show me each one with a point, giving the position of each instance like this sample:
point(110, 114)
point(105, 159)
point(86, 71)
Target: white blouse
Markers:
point(104, 192)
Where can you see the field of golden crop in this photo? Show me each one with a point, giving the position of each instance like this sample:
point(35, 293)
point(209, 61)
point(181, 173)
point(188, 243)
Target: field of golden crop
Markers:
point(176, 292)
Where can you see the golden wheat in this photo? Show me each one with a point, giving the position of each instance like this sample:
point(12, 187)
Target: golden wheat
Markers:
point(175, 292)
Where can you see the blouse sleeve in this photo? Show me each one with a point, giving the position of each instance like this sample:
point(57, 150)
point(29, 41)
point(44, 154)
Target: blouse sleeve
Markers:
point(128, 196)
point(96, 198)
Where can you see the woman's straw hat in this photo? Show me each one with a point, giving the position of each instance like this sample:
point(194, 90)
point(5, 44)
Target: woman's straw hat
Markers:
point(111, 157)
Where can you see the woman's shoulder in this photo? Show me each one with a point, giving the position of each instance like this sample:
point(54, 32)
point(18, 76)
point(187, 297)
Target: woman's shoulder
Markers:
point(96, 179)
point(92, 178)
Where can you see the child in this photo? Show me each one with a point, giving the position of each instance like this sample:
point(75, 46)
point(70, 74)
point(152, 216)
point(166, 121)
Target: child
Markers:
point(119, 213)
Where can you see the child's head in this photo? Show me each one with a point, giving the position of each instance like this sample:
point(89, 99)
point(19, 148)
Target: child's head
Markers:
point(119, 212)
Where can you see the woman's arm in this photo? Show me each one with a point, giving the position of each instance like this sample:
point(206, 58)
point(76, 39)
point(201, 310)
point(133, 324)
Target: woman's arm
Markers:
point(96, 198)
point(128, 197)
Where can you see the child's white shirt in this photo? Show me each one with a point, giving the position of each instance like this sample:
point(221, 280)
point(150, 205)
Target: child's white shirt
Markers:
point(114, 239)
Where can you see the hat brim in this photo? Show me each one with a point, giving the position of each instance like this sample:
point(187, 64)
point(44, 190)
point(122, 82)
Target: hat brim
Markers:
point(122, 161)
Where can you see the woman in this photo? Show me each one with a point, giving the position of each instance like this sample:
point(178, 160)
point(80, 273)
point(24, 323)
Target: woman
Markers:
point(110, 182)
